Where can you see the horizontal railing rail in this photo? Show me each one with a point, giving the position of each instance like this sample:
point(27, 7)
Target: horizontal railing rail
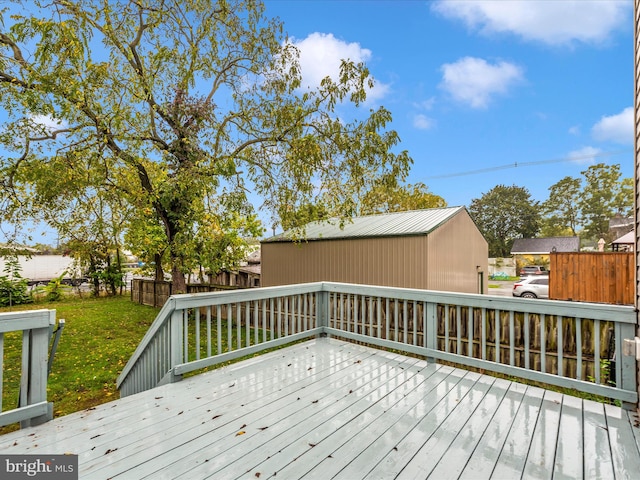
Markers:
point(32, 331)
point(567, 344)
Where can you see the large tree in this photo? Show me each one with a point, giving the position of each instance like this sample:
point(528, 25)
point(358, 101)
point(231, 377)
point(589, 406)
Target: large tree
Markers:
point(503, 214)
point(182, 105)
point(603, 196)
point(390, 196)
point(562, 208)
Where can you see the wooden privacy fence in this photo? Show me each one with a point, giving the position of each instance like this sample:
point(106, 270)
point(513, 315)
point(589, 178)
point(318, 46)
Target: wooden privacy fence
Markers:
point(156, 293)
point(601, 277)
point(567, 344)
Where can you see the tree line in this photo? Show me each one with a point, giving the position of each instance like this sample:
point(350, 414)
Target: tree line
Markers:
point(580, 206)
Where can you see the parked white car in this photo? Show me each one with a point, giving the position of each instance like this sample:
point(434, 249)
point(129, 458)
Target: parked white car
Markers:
point(532, 287)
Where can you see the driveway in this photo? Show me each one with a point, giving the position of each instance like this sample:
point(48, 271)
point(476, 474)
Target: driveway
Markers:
point(500, 288)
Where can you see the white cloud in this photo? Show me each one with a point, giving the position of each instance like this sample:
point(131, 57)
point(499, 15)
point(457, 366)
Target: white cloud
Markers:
point(554, 22)
point(321, 55)
point(425, 104)
point(475, 81)
point(615, 128)
point(422, 122)
point(584, 155)
point(47, 122)
point(575, 130)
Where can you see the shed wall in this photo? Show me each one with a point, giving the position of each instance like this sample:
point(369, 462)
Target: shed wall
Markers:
point(393, 261)
point(458, 255)
point(446, 259)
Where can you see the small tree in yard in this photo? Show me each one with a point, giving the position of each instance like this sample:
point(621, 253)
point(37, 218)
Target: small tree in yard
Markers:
point(180, 108)
point(13, 288)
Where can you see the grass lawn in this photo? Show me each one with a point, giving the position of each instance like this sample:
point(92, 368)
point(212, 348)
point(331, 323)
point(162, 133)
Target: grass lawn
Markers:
point(99, 336)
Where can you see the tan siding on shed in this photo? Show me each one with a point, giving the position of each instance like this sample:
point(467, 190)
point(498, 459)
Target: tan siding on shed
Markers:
point(456, 248)
point(445, 259)
point(369, 261)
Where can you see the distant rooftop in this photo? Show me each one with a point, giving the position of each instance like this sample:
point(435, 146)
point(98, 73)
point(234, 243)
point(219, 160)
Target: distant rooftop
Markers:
point(545, 245)
point(414, 222)
point(627, 238)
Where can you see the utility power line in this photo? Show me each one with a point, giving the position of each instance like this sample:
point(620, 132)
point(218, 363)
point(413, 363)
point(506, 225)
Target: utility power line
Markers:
point(530, 164)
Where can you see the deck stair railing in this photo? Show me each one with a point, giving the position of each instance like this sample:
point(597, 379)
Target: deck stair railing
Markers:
point(194, 331)
point(571, 345)
point(36, 327)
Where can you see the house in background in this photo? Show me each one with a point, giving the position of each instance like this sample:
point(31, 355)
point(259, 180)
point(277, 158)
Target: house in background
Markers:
point(432, 249)
point(625, 243)
point(619, 226)
point(535, 251)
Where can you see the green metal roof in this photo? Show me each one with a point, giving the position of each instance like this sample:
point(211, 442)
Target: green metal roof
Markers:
point(415, 222)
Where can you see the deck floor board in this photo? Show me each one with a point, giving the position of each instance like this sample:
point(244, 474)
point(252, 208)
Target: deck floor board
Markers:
point(328, 409)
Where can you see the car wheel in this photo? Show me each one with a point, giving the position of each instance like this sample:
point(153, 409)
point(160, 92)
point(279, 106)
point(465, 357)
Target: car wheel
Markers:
point(528, 295)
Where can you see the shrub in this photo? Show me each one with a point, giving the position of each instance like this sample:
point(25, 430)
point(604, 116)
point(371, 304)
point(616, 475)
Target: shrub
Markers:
point(13, 288)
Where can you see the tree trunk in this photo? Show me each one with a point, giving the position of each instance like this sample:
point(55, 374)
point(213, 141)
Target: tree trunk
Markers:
point(157, 258)
point(179, 285)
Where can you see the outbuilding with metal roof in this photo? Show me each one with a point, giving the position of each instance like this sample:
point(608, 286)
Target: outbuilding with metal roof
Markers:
point(432, 249)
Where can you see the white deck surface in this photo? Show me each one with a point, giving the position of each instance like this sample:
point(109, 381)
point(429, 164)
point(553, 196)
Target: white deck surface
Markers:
point(328, 409)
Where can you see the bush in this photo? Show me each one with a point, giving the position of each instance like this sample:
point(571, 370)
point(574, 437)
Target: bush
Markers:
point(13, 288)
point(55, 288)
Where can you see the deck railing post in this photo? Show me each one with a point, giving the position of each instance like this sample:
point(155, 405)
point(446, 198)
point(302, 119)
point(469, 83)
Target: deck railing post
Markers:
point(322, 309)
point(628, 378)
point(176, 343)
point(431, 312)
point(38, 371)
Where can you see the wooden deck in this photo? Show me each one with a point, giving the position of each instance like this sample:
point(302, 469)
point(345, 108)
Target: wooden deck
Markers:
point(328, 409)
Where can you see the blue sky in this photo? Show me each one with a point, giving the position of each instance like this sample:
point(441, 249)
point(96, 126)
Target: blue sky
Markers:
point(480, 85)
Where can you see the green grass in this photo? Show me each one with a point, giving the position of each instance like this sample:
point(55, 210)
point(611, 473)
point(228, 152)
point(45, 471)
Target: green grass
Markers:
point(99, 336)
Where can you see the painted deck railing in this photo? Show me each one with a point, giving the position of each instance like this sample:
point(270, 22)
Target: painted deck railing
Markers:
point(566, 344)
point(36, 327)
